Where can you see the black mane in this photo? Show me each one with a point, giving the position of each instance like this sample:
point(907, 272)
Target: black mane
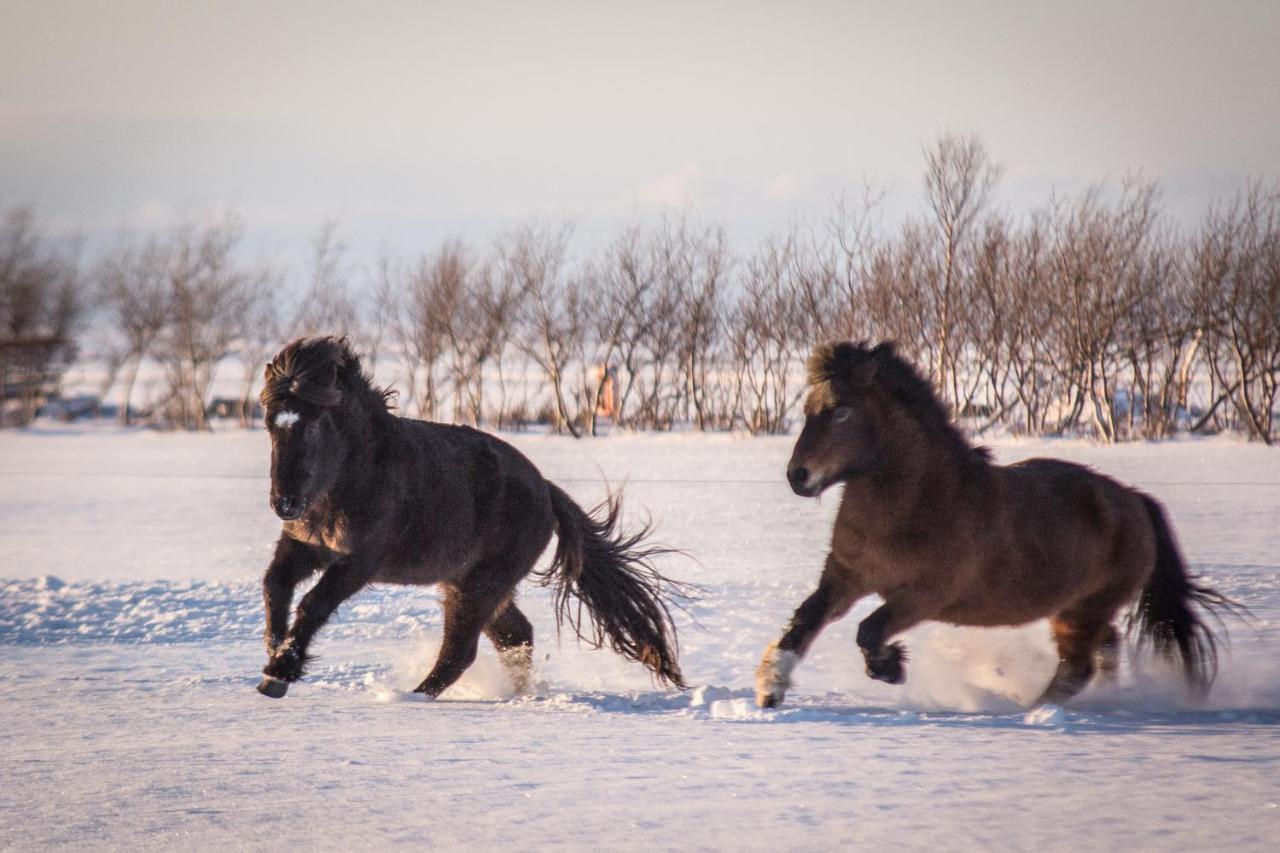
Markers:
point(318, 371)
point(858, 366)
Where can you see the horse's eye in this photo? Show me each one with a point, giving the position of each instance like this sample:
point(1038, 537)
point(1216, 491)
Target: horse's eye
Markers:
point(840, 414)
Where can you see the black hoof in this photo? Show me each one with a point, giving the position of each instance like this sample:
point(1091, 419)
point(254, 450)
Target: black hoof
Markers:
point(273, 687)
point(887, 664)
point(768, 702)
point(287, 665)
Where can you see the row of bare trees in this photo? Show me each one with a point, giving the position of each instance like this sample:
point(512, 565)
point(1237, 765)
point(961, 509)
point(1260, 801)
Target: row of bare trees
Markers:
point(1092, 314)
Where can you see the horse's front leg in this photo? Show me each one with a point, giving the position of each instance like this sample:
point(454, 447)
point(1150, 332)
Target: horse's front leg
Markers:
point(885, 661)
point(838, 589)
point(293, 563)
point(339, 582)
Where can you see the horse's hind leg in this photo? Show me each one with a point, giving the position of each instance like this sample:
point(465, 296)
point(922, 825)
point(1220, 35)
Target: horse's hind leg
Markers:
point(837, 590)
point(512, 635)
point(1078, 639)
point(1106, 660)
point(469, 607)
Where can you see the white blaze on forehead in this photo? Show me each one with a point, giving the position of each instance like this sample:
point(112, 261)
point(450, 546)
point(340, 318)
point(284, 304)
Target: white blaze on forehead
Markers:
point(286, 419)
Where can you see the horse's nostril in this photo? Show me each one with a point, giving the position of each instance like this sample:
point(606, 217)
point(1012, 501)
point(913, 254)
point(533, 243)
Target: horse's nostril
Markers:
point(284, 506)
point(799, 475)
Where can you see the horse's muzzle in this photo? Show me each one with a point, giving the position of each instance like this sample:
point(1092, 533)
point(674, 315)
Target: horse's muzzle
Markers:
point(803, 482)
point(287, 508)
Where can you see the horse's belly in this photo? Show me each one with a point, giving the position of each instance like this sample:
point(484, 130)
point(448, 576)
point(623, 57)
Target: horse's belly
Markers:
point(992, 614)
point(1014, 595)
point(413, 573)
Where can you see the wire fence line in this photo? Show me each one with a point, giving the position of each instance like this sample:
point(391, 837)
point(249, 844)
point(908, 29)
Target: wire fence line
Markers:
point(620, 481)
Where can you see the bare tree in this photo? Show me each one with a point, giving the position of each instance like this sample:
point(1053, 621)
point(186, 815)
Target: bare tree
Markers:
point(832, 286)
point(327, 306)
point(761, 325)
point(623, 282)
point(210, 294)
point(959, 178)
point(696, 263)
point(434, 293)
point(262, 336)
point(533, 257)
point(1026, 337)
point(656, 381)
point(136, 296)
point(479, 330)
point(1094, 281)
point(389, 286)
point(1238, 282)
point(1159, 339)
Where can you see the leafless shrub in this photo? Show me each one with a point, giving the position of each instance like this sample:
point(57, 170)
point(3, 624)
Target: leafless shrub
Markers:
point(959, 179)
point(210, 296)
point(1094, 282)
point(1089, 314)
point(553, 321)
point(765, 351)
point(1237, 285)
point(135, 294)
point(433, 292)
point(326, 305)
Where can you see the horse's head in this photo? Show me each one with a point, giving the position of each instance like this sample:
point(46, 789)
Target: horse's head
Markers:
point(301, 400)
point(844, 424)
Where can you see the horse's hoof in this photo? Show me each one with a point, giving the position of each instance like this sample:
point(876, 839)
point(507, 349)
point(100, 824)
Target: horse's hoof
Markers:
point(275, 688)
point(773, 676)
point(887, 665)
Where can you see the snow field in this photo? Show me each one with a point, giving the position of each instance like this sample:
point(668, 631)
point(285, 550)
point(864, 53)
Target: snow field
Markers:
point(130, 622)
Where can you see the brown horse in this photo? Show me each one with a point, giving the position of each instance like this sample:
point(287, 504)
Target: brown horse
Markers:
point(940, 533)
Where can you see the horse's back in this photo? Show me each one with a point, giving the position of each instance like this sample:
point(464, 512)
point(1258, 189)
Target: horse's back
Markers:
point(466, 495)
point(1083, 533)
point(1066, 491)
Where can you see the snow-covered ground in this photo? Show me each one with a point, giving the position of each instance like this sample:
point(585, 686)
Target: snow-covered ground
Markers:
point(130, 645)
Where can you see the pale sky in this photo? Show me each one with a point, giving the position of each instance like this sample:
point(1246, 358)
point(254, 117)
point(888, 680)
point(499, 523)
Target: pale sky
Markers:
point(412, 122)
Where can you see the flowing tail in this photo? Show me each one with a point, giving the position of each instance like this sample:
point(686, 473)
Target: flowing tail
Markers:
point(1164, 615)
point(627, 601)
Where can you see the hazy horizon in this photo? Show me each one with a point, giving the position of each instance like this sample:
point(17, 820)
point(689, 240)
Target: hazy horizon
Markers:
point(411, 123)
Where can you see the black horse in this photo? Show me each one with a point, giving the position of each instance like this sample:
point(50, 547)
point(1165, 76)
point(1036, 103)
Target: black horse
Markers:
point(369, 497)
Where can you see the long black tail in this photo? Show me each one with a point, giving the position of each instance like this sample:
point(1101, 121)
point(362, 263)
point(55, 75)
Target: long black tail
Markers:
point(627, 601)
point(1164, 614)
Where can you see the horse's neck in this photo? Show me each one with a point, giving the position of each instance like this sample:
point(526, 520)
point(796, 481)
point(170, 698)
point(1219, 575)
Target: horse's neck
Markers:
point(908, 488)
point(367, 443)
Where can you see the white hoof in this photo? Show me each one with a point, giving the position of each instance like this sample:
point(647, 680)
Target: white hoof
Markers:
point(773, 676)
point(1045, 715)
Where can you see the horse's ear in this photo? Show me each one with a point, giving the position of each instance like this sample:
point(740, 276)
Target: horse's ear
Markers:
point(872, 362)
point(884, 350)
